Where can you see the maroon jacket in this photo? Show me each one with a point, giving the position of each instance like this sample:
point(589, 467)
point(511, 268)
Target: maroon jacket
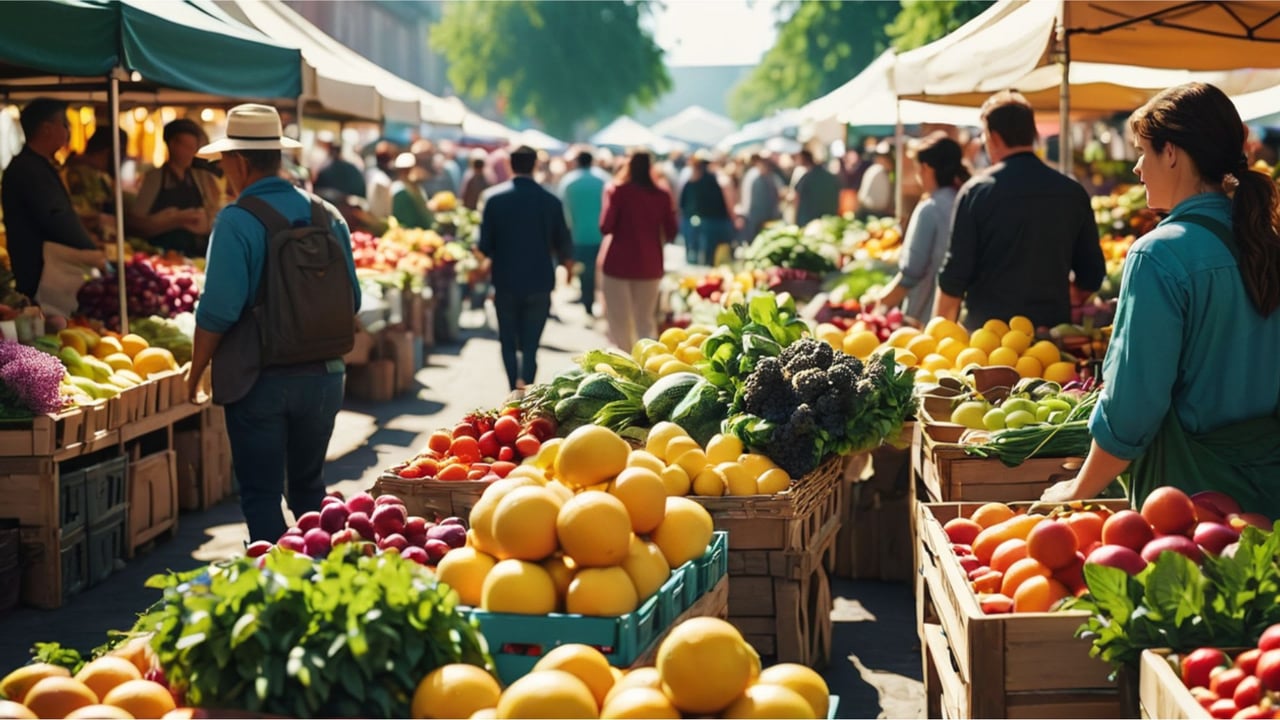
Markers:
point(640, 221)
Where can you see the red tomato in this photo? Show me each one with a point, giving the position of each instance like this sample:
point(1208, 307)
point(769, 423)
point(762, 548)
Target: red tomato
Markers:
point(507, 429)
point(1199, 664)
point(502, 468)
point(527, 445)
point(542, 428)
point(490, 444)
point(507, 454)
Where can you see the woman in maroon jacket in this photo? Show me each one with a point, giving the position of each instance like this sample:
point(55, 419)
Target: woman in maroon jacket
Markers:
point(637, 219)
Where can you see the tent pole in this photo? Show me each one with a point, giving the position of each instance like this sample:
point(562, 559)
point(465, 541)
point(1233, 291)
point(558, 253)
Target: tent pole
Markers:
point(117, 154)
point(1064, 104)
point(900, 151)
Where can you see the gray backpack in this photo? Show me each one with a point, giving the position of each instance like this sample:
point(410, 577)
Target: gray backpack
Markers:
point(304, 310)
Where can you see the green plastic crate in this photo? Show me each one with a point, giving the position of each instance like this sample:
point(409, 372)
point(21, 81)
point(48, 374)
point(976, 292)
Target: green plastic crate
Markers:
point(518, 641)
point(75, 562)
point(106, 489)
point(714, 563)
point(833, 704)
point(72, 500)
point(673, 596)
point(106, 538)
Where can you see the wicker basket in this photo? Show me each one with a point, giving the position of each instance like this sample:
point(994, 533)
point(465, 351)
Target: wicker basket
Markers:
point(432, 499)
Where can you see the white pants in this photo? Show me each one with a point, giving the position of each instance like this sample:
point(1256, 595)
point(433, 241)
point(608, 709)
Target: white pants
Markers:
point(630, 308)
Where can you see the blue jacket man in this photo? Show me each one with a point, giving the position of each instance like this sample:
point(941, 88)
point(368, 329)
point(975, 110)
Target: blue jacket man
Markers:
point(281, 427)
point(582, 192)
point(524, 235)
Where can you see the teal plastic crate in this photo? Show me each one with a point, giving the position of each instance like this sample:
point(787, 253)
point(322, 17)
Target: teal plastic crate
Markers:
point(106, 539)
point(673, 596)
point(714, 563)
point(518, 641)
point(833, 704)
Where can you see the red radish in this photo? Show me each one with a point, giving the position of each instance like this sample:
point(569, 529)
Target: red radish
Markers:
point(1214, 537)
point(257, 549)
point(362, 525)
point(308, 521)
point(1172, 543)
point(394, 540)
point(361, 502)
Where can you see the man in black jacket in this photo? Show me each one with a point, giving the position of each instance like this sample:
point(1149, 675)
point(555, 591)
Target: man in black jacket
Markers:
point(1020, 232)
point(37, 208)
point(524, 235)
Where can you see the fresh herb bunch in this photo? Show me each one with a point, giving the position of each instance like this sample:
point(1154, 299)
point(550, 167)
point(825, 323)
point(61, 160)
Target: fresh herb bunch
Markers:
point(761, 328)
point(347, 636)
point(1226, 602)
point(812, 401)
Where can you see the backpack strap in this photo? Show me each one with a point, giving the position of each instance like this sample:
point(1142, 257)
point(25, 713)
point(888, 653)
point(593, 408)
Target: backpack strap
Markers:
point(320, 215)
point(271, 219)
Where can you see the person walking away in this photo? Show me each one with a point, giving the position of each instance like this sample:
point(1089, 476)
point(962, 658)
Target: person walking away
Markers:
point(177, 201)
point(1019, 232)
point(760, 194)
point(338, 173)
point(1183, 404)
point(582, 192)
point(378, 185)
point(524, 236)
point(474, 182)
point(941, 171)
point(639, 218)
point(702, 201)
point(817, 191)
point(875, 191)
point(275, 331)
point(408, 203)
point(44, 233)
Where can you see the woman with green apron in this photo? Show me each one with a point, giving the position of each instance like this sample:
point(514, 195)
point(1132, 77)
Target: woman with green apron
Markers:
point(177, 200)
point(1191, 393)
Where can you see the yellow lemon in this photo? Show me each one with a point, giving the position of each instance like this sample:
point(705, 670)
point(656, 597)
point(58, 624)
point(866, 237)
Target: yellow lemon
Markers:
point(711, 482)
point(769, 701)
point(1029, 367)
point(455, 690)
point(706, 665)
point(601, 592)
point(1046, 352)
point(922, 345)
point(935, 362)
point(583, 662)
point(860, 344)
point(639, 702)
point(984, 340)
point(548, 693)
point(676, 481)
point(1016, 340)
point(900, 337)
point(803, 680)
point(1003, 356)
point(1060, 372)
point(755, 463)
point(997, 326)
point(1022, 324)
point(950, 348)
point(773, 481)
point(589, 455)
point(906, 358)
point(723, 448)
point(646, 460)
point(972, 356)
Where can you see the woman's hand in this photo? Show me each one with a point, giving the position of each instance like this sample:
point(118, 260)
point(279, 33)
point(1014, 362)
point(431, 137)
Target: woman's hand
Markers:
point(1061, 492)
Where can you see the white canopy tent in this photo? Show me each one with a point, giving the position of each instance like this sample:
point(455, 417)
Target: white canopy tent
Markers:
point(539, 140)
point(625, 132)
point(1008, 44)
point(336, 66)
point(696, 125)
point(478, 127)
point(784, 123)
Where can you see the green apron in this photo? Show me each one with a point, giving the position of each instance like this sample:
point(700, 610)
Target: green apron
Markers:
point(1241, 459)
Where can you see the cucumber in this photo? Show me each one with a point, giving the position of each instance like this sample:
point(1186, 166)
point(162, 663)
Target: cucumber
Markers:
point(701, 412)
point(600, 386)
point(661, 398)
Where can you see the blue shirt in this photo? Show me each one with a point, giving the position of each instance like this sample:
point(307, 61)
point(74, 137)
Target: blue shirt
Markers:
point(583, 194)
point(237, 248)
point(924, 249)
point(1186, 336)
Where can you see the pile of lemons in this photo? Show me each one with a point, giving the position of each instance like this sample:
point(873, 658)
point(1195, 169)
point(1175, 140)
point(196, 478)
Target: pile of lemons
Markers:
point(704, 668)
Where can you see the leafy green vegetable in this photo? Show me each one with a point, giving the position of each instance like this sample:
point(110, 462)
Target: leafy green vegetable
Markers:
point(55, 654)
point(1068, 439)
point(760, 328)
point(1226, 602)
point(788, 246)
point(347, 636)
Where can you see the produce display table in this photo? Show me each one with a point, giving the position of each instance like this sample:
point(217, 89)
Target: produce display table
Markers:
point(944, 472)
point(87, 490)
point(1161, 693)
point(1025, 665)
point(780, 548)
point(875, 540)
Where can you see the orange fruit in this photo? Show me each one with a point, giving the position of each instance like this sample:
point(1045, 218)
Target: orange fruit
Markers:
point(455, 690)
point(1009, 552)
point(100, 712)
point(1020, 572)
point(57, 697)
point(991, 513)
point(106, 672)
point(10, 710)
point(1087, 526)
point(1038, 594)
point(1019, 526)
point(16, 684)
point(141, 698)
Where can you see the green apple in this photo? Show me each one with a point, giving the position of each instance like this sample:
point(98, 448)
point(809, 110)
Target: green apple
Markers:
point(1018, 418)
point(969, 414)
point(1042, 413)
point(1016, 404)
point(994, 419)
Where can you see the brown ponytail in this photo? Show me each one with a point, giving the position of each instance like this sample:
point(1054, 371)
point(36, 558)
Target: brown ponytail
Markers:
point(1201, 120)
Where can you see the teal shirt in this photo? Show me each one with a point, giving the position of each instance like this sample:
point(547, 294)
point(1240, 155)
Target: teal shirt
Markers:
point(237, 249)
point(582, 192)
point(1186, 336)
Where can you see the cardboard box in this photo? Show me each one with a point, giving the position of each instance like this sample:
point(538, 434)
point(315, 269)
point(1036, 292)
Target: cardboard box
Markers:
point(374, 381)
point(398, 346)
point(362, 349)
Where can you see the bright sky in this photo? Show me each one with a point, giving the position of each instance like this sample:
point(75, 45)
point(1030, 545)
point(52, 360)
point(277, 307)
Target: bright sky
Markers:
point(715, 32)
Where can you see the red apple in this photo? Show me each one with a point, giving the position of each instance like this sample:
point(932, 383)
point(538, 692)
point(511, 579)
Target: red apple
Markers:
point(1216, 502)
point(415, 554)
point(308, 521)
point(345, 535)
point(1118, 556)
point(1214, 537)
point(257, 549)
point(318, 542)
point(388, 520)
point(436, 550)
point(294, 543)
point(394, 540)
point(333, 517)
point(1172, 543)
point(387, 500)
point(360, 522)
point(361, 502)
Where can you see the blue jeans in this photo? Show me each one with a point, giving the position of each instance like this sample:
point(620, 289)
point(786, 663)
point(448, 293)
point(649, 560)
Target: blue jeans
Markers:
point(586, 254)
point(281, 430)
point(521, 319)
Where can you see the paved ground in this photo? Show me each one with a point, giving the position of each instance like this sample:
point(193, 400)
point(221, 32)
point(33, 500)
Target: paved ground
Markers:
point(875, 665)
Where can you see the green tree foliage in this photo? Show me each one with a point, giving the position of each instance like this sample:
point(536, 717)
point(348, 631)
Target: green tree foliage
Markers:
point(922, 21)
point(557, 62)
point(820, 46)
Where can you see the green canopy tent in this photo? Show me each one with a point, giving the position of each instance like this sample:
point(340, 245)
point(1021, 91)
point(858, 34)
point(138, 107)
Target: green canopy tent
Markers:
point(139, 46)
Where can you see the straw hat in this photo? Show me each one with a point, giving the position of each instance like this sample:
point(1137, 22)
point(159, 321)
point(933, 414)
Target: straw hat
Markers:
point(251, 127)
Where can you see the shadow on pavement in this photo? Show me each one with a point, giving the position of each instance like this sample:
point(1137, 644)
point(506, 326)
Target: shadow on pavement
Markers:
point(875, 656)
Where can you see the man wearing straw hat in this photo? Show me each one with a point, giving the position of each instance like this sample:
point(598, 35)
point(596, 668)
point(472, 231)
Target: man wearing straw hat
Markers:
point(279, 415)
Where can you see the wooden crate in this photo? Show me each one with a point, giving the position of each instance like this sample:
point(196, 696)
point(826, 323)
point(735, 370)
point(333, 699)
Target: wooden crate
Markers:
point(216, 471)
point(1161, 693)
point(397, 345)
point(429, 498)
point(43, 583)
point(948, 474)
point(97, 420)
point(45, 435)
point(875, 540)
point(374, 381)
point(153, 498)
point(784, 620)
point(1025, 665)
